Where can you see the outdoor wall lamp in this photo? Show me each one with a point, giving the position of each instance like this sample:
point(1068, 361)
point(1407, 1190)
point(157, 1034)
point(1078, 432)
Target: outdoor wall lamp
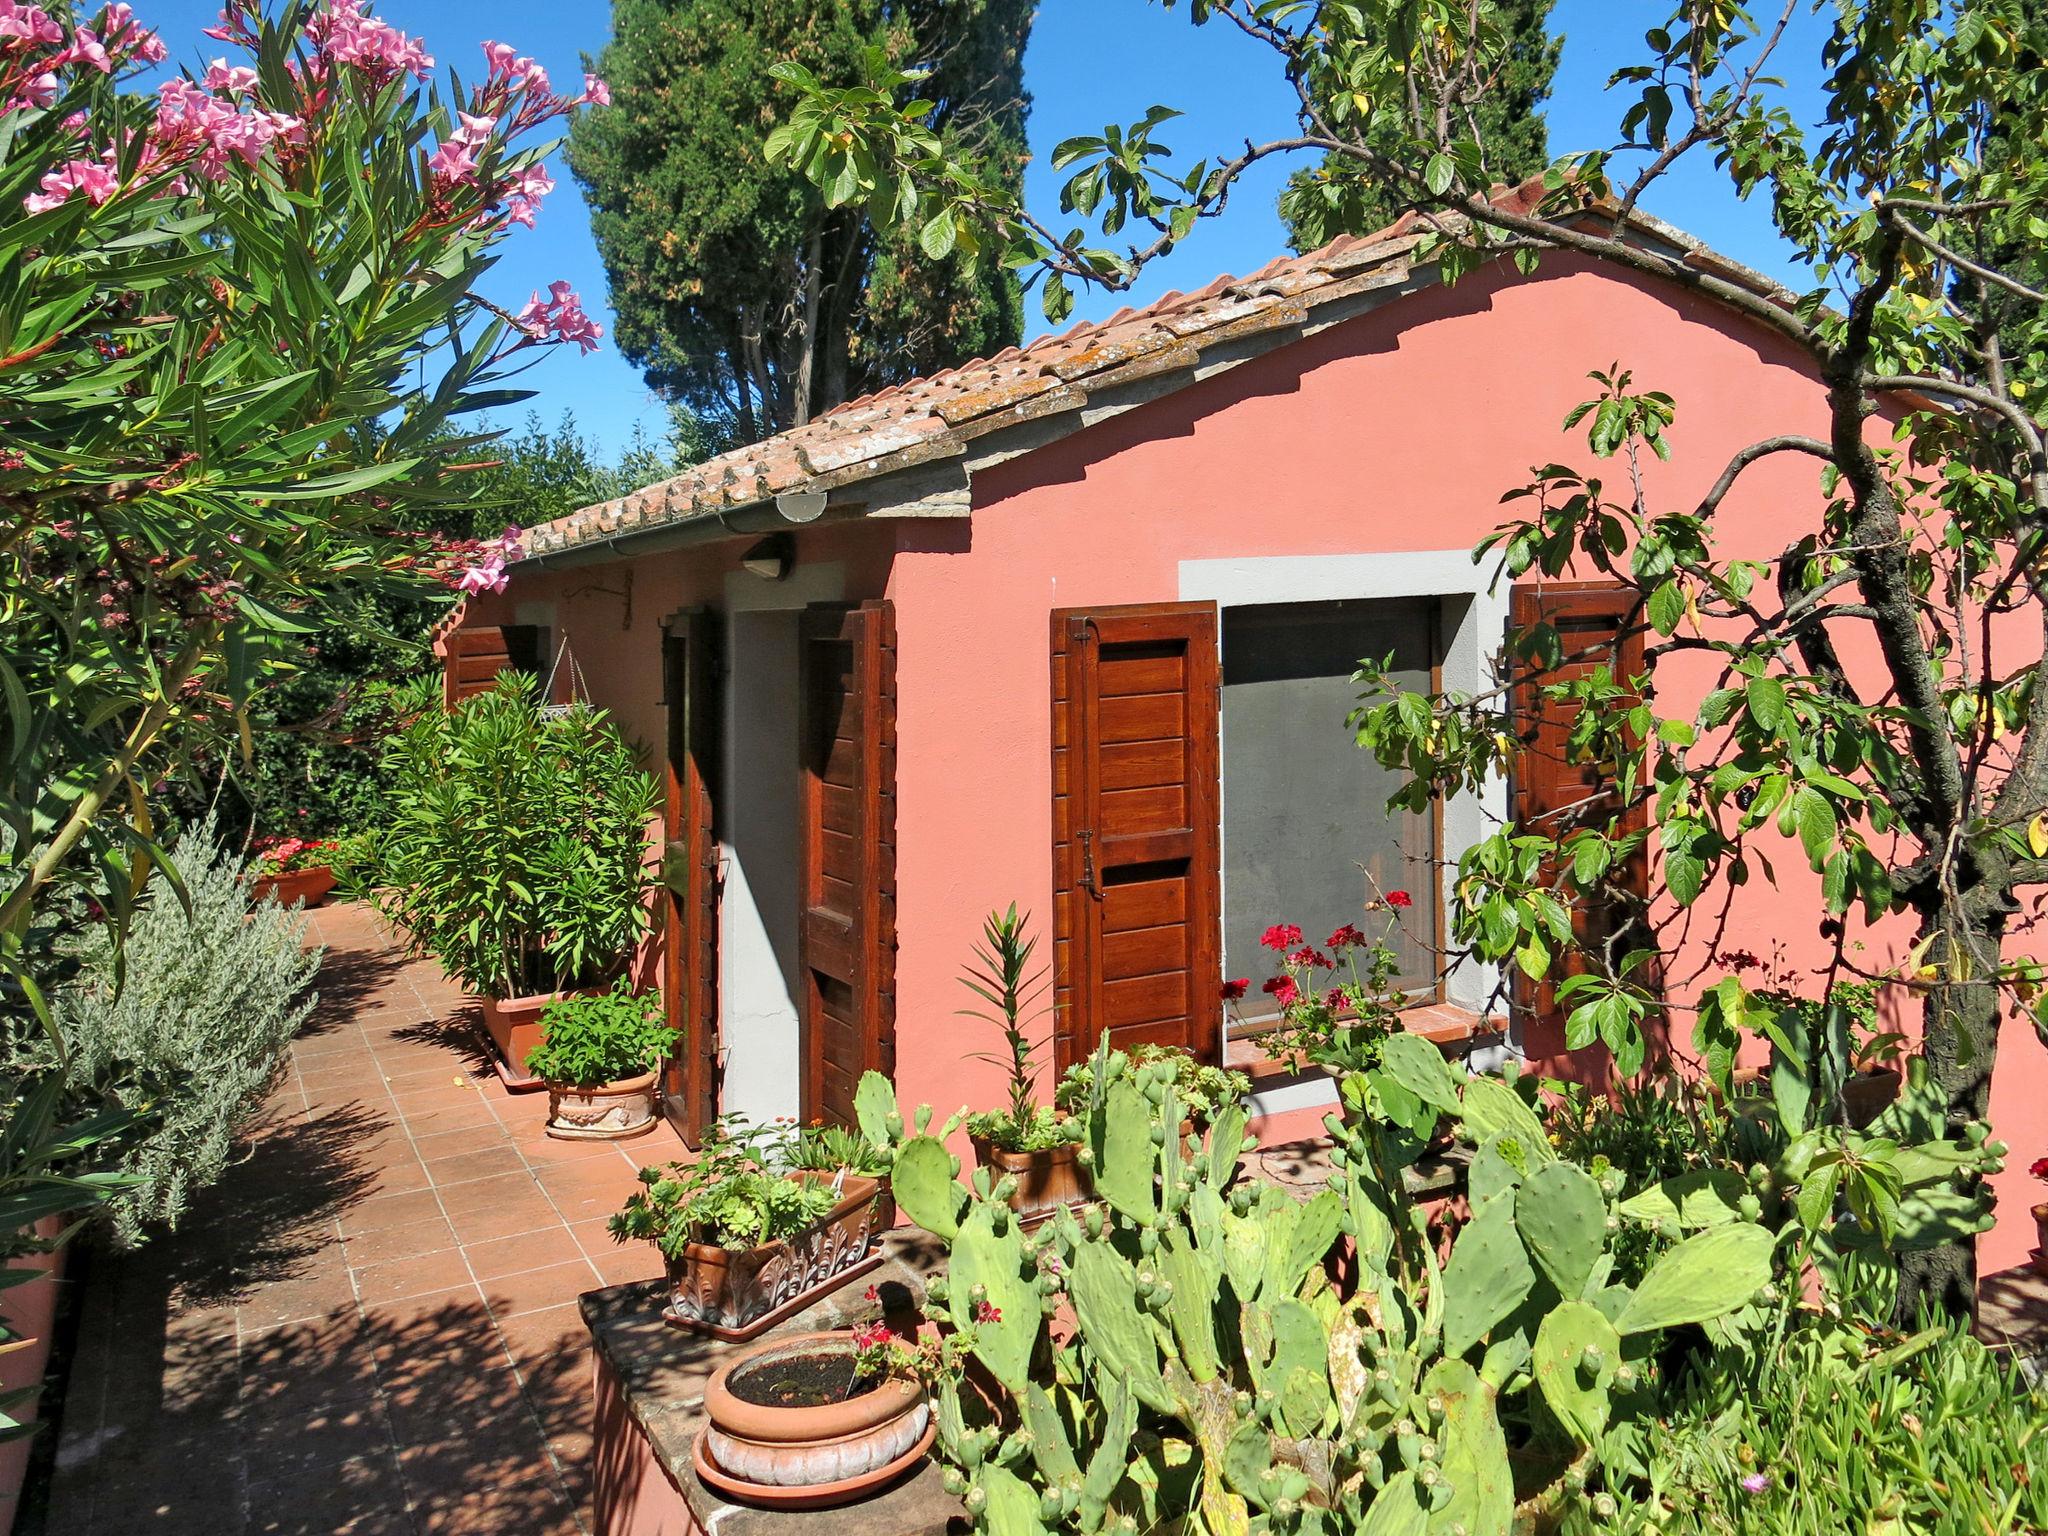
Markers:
point(771, 558)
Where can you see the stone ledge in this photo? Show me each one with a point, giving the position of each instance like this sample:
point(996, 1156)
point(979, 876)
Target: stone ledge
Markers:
point(661, 1372)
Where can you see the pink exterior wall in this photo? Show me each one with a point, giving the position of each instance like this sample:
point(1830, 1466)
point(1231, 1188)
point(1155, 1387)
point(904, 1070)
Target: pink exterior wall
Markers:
point(631, 1493)
point(1395, 431)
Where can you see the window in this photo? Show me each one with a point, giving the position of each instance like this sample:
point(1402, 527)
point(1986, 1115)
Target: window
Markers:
point(1307, 837)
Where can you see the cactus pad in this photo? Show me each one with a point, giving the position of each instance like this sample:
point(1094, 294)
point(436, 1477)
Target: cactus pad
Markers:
point(1488, 1275)
point(1709, 1274)
point(1574, 1360)
point(1563, 1223)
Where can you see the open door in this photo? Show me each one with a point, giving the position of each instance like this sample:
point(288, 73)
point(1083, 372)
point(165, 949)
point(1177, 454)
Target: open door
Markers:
point(846, 944)
point(1137, 913)
point(689, 871)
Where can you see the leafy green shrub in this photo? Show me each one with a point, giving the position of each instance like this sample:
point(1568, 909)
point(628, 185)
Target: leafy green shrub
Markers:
point(1201, 1088)
point(735, 1195)
point(197, 1022)
point(589, 1041)
point(514, 849)
point(1829, 1430)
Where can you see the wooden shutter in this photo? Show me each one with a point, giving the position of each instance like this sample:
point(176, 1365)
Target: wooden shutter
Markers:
point(1597, 624)
point(847, 839)
point(1137, 925)
point(689, 869)
point(473, 657)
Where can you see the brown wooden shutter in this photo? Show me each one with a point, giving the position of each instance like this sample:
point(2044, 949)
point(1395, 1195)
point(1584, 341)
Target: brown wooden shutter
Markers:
point(1597, 625)
point(847, 839)
point(689, 868)
point(1137, 923)
point(473, 657)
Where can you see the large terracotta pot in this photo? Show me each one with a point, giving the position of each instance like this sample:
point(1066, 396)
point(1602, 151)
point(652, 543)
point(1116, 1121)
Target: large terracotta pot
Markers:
point(852, 1446)
point(737, 1294)
point(309, 886)
point(606, 1112)
point(514, 1027)
point(1046, 1179)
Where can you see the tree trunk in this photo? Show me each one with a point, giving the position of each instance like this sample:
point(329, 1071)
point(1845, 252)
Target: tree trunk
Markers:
point(1960, 1045)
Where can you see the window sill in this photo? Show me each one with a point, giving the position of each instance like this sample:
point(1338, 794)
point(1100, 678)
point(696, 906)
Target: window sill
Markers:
point(1452, 1029)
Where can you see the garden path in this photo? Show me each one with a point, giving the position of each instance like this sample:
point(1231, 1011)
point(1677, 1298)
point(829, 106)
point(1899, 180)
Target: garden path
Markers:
point(370, 1325)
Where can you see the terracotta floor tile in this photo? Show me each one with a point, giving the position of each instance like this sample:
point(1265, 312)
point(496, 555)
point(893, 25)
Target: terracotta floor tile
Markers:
point(301, 1366)
point(529, 1250)
point(529, 1211)
point(430, 1324)
point(481, 1194)
point(389, 1211)
point(630, 1262)
point(547, 1334)
point(435, 1146)
point(459, 1116)
point(545, 1151)
point(403, 1242)
point(510, 1295)
point(403, 1278)
point(293, 1301)
point(355, 1497)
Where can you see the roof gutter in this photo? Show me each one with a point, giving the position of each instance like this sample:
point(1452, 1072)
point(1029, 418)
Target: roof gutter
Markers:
point(791, 509)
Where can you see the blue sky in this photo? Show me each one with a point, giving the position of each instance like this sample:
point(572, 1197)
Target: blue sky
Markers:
point(1090, 62)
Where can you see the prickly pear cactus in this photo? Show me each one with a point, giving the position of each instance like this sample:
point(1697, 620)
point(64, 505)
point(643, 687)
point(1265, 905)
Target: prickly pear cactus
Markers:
point(1200, 1350)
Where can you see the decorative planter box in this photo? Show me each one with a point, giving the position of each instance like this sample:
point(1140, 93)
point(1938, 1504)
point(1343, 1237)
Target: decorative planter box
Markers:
point(303, 885)
point(736, 1295)
point(1046, 1179)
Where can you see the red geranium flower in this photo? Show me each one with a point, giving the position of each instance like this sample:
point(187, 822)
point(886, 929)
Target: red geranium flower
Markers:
point(1233, 990)
point(2040, 1168)
point(1281, 935)
point(1345, 938)
point(1334, 999)
point(1284, 991)
point(1308, 956)
point(1400, 899)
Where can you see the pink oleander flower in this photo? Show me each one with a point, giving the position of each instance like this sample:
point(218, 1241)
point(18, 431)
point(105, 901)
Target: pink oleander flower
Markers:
point(488, 575)
point(192, 121)
point(559, 317)
point(474, 131)
point(233, 26)
point(86, 176)
point(595, 92)
point(234, 80)
point(523, 195)
point(344, 35)
point(123, 34)
point(36, 91)
point(27, 24)
point(453, 164)
point(84, 48)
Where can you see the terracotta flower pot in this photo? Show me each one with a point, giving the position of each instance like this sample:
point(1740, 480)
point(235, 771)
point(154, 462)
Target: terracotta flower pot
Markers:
point(606, 1112)
point(1869, 1094)
point(514, 1027)
point(735, 1294)
point(309, 886)
point(853, 1445)
point(1046, 1179)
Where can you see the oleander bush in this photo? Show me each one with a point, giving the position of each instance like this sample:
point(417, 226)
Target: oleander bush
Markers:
point(514, 845)
point(192, 1023)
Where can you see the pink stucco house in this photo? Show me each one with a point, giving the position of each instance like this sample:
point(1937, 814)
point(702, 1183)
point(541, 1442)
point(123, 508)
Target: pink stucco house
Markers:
point(1074, 627)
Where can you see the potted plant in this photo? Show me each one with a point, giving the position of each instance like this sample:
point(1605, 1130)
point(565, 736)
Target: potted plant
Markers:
point(514, 851)
point(600, 1056)
point(748, 1234)
point(1334, 1023)
point(1033, 1144)
point(293, 870)
point(1200, 1089)
point(2040, 1171)
point(816, 1419)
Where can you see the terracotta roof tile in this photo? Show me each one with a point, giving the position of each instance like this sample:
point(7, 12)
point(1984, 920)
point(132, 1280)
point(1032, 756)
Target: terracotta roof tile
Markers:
point(932, 417)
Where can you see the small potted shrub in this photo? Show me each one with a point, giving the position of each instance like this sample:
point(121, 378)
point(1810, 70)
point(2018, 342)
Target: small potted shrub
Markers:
point(1034, 1144)
point(817, 1419)
point(1200, 1089)
point(748, 1234)
point(2040, 1171)
point(601, 1058)
point(292, 869)
point(514, 851)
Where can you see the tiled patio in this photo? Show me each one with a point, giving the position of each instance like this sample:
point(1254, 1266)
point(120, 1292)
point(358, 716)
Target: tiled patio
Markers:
point(370, 1326)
